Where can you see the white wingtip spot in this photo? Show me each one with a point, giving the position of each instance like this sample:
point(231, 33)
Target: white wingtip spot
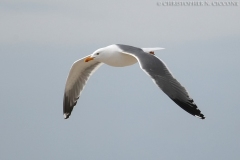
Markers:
point(198, 117)
point(65, 116)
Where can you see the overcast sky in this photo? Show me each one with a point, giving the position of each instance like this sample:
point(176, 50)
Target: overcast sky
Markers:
point(121, 114)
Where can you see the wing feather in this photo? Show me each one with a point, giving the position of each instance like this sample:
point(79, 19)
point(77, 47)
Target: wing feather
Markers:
point(161, 75)
point(77, 78)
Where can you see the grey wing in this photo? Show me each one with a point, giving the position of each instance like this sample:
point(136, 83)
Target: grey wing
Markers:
point(160, 74)
point(77, 78)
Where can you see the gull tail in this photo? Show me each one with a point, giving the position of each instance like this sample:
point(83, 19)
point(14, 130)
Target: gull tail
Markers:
point(151, 50)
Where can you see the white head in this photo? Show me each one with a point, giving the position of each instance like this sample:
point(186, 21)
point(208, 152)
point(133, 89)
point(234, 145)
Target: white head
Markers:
point(101, 53)
point(96, 55)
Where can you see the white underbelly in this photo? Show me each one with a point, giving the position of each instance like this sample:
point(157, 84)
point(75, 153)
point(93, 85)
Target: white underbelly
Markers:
point(120, 60)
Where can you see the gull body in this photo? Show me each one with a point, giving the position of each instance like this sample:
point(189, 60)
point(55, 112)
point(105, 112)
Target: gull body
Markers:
point(112, 56)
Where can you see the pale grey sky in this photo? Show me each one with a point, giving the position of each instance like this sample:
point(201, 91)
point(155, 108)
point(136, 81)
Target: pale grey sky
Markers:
point(121, 114)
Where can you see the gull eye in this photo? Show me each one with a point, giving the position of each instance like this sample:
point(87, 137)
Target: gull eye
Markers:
point(97, 54)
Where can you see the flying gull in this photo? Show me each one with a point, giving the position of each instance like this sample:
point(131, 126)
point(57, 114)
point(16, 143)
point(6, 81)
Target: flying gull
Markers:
point(119, 55)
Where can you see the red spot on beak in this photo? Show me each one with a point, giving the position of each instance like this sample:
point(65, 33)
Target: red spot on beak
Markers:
point(89, 59)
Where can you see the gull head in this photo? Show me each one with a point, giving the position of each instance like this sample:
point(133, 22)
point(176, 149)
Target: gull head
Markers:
point(97, 55)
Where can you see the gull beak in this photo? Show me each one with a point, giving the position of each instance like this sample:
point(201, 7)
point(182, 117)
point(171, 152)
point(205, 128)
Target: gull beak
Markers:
point(89, 58)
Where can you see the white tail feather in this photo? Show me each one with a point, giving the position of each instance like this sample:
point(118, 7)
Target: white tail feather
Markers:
point(148, 50)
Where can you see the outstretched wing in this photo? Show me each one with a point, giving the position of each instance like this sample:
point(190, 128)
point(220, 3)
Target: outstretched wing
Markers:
point(160, 74)
point(77, 78)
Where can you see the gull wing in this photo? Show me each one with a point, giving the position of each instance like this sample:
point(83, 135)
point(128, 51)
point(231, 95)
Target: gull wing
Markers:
point(161, 75)
point(77, 78)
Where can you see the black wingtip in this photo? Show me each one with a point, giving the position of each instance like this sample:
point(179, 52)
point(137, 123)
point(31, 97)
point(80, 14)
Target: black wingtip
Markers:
point(68, 107)
point(190, 107)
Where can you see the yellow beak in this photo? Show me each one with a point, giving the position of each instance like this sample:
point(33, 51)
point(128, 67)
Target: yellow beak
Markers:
point(89, 59)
